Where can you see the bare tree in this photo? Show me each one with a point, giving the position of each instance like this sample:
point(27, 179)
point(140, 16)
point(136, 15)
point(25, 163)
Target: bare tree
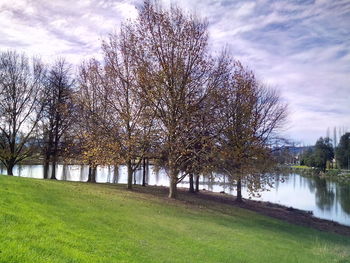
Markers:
point(58, 111)
point(20, 106)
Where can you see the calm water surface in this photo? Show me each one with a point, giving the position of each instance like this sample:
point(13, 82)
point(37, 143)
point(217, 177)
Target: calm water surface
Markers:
point(327, 198)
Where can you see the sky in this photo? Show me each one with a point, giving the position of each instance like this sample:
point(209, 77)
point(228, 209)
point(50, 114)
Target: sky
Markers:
point(301, 48)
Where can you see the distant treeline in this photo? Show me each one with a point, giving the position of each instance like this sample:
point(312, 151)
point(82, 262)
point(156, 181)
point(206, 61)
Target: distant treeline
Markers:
point(325, 155)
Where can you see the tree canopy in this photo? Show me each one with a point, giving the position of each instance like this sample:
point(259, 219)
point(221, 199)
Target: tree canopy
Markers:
point(320, 154)
point(343, 151)
point(158, 92)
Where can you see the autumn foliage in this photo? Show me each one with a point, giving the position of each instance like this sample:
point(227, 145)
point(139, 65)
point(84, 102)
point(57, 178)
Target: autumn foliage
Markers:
point(158, 93)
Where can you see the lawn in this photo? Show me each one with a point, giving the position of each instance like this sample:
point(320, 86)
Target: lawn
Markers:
point(55, 221)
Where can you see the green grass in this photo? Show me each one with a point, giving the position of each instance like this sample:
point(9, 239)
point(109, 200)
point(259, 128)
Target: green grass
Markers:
point(329, 172)
point(54, 221)
point(301, 167)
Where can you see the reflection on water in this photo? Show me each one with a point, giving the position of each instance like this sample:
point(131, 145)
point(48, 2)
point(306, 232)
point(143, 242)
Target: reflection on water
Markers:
point(327, 198)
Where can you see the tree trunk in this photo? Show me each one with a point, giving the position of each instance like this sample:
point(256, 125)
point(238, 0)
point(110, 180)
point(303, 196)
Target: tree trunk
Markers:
point(81, 173)
point(134, 176)
point(46, 168)
point(144, 172)
point(92, 174)
point(129, 174)
point(239, 190)
point(94, 170)
point(54, 159)
point(173, 186)
point(47, 154)
point(53, 173)
point(54, 155)
point(115, 174)
point(147, 169)
point(109, 174)
point(197, 183)
point(10, 168)
point(191, 190)
point(64, 172)
point(56, 138)
point(89, 174)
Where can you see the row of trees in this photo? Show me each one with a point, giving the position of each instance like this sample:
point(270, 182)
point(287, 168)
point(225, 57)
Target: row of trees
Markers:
point(320, 156)
point(36, 109)
point(158, 94)
point(323, 155)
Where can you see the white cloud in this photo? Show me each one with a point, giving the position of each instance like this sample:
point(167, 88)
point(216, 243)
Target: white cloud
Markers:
point(302, 48)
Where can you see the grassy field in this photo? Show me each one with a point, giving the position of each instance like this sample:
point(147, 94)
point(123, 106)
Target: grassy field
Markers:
point(54, 221)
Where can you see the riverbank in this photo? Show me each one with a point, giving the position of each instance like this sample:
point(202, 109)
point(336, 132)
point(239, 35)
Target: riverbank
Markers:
point(314, 171)
point(56, 221)
point(288, 214)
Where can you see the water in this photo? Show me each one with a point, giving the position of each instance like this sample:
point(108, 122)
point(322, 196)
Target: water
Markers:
point(327, 198)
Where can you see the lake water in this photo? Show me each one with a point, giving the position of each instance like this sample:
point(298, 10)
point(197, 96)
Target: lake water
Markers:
point(327, 198)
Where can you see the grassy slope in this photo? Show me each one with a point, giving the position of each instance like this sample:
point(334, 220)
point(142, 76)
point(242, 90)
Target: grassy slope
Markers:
point(47, 221)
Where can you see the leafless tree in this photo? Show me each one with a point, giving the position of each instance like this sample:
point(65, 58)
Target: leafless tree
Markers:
point(58, 111)
point(21, 98)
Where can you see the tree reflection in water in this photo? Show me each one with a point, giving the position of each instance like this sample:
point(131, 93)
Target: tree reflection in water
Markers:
point(324, 192)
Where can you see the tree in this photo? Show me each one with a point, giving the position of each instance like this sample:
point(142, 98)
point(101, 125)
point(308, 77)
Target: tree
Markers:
point(201, 141)
point(323, 153)
point(132, 121)
point(20, 106)
point(58, 111)
point(252, 115)
point(343, 151)
point(307, 158)
point(197, 159)
point(171, 52)
point(92, 144)
point(109, 94)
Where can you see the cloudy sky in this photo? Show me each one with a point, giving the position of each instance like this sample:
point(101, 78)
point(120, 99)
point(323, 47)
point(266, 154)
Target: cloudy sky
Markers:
point(300, 47)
